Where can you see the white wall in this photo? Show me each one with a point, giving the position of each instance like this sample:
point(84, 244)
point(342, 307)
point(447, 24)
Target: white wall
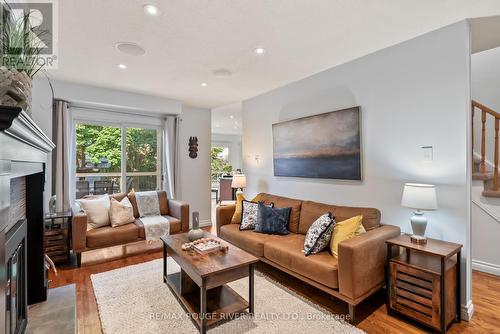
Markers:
point(234, 144)
point(411, 95)
point(195, 173)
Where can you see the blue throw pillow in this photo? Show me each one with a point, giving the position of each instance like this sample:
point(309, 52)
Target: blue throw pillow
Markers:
point(272, 220)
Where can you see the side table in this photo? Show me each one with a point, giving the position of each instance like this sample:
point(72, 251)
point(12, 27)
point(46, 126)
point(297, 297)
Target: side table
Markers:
point(423, 282)
point(58, 236)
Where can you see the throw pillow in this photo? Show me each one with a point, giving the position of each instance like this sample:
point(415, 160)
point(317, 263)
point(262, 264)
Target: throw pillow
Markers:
point(319, 234)
point(97, 210)
point(345, 230)
point(272, 220)
point(121, 213)
point(249, 215)
point(239, 207)
point(148, 203)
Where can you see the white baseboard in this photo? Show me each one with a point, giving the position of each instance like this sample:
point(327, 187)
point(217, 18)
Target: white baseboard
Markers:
point(467, 311)
point(486, 267)
point(205, 223)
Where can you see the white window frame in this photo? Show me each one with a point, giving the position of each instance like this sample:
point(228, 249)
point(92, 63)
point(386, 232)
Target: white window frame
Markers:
point(123, 121)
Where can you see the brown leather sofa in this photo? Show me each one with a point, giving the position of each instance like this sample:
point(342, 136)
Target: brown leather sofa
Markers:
point(359, 270)
point(177, 213)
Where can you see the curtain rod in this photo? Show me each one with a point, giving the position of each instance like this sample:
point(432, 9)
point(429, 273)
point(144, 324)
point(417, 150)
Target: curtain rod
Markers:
point(115, 109)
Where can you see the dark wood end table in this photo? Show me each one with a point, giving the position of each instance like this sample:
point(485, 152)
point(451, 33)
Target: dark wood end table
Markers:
point(201, 286)
point(423, 282)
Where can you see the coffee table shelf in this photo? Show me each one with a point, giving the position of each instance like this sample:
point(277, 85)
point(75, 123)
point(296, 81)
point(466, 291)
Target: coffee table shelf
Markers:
point(222, 302)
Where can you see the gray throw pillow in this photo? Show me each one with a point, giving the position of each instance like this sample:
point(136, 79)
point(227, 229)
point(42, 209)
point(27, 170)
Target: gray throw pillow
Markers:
point(272, 220)
point(319, 234)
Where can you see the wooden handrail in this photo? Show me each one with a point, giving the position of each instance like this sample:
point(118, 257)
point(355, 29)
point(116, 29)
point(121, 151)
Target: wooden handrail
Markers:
point(482, 167)
point(486, 109)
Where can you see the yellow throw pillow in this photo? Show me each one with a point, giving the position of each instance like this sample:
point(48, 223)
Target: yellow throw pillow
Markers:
point(345, 230)
point(239, 207)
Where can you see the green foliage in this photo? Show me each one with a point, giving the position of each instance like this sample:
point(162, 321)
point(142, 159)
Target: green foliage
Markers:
point(94, 142)
point(218, 164)
point(20, 44)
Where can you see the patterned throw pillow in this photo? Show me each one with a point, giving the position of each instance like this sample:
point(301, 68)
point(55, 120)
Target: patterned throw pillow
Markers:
point(319, 234)
point(249, 215)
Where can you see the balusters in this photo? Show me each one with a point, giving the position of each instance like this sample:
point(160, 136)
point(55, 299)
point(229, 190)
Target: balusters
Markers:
point(495, 172)
point(483, 141)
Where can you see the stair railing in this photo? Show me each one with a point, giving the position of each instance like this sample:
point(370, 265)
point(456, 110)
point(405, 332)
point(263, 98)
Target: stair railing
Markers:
point(484, 112)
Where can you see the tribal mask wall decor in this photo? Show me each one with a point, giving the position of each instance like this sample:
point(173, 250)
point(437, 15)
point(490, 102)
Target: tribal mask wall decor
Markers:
point(193, 147)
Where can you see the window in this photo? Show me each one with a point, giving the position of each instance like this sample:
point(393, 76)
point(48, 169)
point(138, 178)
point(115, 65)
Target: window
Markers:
point(114, 158)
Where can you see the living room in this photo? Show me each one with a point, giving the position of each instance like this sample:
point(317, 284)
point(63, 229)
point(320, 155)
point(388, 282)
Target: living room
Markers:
point(232, 167)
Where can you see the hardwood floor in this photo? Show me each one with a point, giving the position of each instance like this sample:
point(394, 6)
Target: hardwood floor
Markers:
point(371, 314)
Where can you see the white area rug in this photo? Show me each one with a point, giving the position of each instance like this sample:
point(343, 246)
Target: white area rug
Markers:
point(134, 299)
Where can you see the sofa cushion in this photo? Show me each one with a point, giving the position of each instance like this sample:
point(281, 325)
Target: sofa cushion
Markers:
point(310, 211)
point(287, 252)
point(175, 226)
point(249, 241)
point(284, 202)
point(109, 236)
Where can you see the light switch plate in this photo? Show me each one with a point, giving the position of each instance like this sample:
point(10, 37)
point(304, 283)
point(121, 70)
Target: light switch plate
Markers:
point(428, 153)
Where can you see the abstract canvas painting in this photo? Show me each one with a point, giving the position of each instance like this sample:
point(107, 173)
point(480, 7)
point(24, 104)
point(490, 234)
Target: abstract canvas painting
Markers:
point(324, 146)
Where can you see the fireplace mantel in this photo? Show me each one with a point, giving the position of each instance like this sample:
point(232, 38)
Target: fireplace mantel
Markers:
point(24, 154)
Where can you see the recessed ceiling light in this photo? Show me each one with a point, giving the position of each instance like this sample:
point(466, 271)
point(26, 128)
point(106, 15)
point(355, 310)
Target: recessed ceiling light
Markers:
point(231, 116)
point(122, 66)
point(204, 84)
point(130, 48)
point(259, 51)
point(151, 10)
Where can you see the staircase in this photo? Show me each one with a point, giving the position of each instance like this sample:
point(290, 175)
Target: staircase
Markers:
point(483, 170)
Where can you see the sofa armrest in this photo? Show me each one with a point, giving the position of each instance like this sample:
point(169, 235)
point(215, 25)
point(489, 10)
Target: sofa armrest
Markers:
point(362, 260)
point(180, 210)
point(223, 216)
point(79, 232)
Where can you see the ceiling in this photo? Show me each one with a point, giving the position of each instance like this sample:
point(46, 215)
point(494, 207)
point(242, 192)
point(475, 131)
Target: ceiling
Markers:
point(191, 38)
point(227, 119)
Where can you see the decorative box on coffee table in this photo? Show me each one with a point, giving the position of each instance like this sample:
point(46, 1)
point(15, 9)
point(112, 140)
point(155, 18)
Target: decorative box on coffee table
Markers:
point(423, 281)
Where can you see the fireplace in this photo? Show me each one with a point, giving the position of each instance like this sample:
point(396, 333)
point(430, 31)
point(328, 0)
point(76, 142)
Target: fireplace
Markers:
point(23, 275)
point(16, 288)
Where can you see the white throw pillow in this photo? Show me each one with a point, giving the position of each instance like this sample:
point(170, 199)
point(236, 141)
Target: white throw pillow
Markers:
point(96, 209)
point(121, 213)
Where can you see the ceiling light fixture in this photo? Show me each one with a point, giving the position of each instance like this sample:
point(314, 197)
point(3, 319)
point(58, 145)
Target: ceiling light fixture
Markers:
point(122, 66)
point(204, 84)
point(231, 116)
point(259, 51)
point(151, 10)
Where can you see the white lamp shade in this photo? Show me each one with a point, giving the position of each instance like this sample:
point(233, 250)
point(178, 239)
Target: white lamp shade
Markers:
point(419, 196)
point(239, 181)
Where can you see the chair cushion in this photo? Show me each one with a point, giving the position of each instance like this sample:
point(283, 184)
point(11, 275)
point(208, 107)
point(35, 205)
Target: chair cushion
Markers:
point(175, 226)
point(311, 211)
point(284, 202)
point(249, 241)
point(287, 252)
point(109, 236)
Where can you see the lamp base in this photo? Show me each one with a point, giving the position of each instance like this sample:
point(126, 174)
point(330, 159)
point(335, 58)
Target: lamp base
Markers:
point(418, 239)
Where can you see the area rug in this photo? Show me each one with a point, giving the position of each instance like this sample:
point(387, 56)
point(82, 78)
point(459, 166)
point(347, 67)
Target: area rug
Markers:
point(134, 299)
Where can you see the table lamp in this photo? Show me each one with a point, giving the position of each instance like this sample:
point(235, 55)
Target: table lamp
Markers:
point(419, 197)
point(240, 182)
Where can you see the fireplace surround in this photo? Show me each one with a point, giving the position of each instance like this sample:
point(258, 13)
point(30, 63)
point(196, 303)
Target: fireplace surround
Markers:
point(24, 153)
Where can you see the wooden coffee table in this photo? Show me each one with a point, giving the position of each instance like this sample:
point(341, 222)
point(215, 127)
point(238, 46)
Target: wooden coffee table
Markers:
point(201, 286)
